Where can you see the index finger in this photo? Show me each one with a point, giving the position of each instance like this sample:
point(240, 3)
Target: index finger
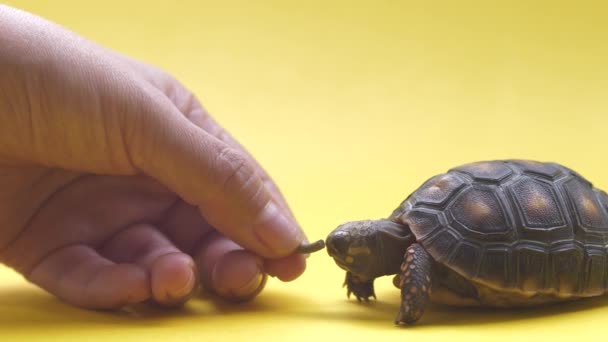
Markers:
point(191, 107)
point(217, 178)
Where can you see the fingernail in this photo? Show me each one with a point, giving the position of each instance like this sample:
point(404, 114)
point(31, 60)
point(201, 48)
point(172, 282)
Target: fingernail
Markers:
point(247, 291)
point(187, 288)
point(176, 297)
point(277, 232)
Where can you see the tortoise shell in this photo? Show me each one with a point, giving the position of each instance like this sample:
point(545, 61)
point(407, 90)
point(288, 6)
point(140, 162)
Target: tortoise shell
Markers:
point(514, 224)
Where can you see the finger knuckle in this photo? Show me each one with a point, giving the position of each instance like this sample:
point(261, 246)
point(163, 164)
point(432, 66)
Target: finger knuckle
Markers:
point(239, 177)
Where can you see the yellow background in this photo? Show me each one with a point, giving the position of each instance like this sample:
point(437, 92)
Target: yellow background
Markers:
point(351, 106)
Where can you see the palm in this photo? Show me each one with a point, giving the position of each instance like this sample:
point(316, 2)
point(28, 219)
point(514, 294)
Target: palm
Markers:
point(80, 209)
point(103, 213)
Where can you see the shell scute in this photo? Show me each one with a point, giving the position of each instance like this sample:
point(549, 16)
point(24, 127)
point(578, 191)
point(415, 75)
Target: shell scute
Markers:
point(546, 170)
point(566, 262)
point(437, 190)
point(587, 208)
point(532, 265)
point(596, 266)
point(491, 171)
point(465, 259)
point(441, 245)
point(479, 212)
point(538, 204)
point(495, 267)
point(421, 222)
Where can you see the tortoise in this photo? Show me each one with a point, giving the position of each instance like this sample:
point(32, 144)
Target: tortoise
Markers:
point(497, 233)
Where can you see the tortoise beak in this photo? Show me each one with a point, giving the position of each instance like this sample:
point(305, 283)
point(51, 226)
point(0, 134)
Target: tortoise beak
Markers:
point(337, 247)
point(337, 244)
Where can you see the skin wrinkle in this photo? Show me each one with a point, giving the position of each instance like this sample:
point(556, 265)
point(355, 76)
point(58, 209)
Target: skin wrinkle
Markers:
point(135, 151)
point(215, 187)
point(86, 290)
point(261, 198)
point(169, 227)
point(126, 134)
point(117, 302)
point(146, 252)
point(97, 245)
point(12, 107)
point(30, 188)
point(257, 198)
point(29, 115)
point(259, 237)
point(117, 122)
point(27, 273)
point(202, 249)
point(83, 74)
point(132, 95)
point(63, 276)
point(94, 274)
point(102, 246)
point(235, 164)
point(205, 235)
point(37, 210)
point(227, 138)
point(127, 127)
point(211, 252)
point(224, 136)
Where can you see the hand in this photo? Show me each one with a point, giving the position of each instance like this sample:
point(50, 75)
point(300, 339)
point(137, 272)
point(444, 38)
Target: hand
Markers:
point(118, 187)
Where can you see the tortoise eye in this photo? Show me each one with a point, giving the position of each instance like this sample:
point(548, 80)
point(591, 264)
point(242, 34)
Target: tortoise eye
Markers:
point(338, 244)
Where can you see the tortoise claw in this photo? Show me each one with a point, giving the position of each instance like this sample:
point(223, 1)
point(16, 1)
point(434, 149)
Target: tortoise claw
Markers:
point(362, 289)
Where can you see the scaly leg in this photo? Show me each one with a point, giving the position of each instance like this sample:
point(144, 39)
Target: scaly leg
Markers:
point(362, 288)
point(415, 284)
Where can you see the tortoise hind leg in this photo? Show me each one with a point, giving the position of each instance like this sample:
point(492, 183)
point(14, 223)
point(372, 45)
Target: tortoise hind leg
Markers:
point(415, 284)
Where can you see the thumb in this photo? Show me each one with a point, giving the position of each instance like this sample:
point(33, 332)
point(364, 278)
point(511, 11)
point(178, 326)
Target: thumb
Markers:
point(219, 179)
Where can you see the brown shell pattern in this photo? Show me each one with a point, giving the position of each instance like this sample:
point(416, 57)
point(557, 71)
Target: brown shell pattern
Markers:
point(514, 224)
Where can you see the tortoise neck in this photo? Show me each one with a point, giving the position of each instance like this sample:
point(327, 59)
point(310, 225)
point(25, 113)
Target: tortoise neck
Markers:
point(393, 240)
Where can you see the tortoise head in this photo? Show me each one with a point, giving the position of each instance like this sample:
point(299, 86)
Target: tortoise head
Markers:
point(369, 248)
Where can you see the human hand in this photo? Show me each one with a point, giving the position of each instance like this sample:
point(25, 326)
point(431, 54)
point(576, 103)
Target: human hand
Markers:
point(118, 187)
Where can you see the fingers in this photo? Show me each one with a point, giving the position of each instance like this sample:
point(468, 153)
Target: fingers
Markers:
point(228, 270)
point(80, 276)
point(172, 273)
point(136, 264)
point(185, 227)
point(224, 267)
point(215, 177)
point(188, 230)
point(288, 268)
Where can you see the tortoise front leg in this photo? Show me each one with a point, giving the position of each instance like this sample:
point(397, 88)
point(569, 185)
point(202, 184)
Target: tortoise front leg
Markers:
point(362, 288)
point(415, 284)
